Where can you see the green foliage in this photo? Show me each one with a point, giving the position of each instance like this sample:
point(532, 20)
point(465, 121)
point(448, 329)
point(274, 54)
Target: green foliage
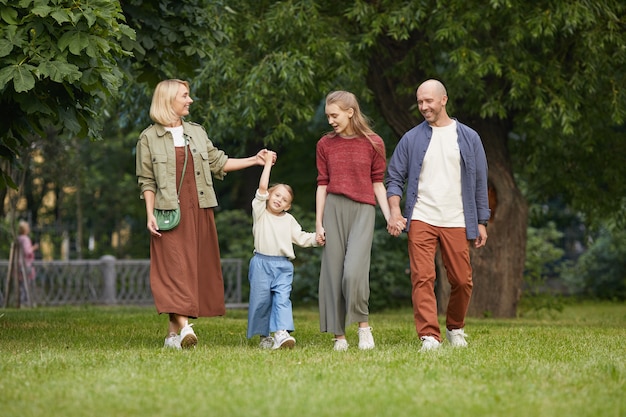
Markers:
point(542, 262)
point(173, 37)
point(390, 279)
point(600, 272)
point(234, 230)
point(58, 63)
point(277, 61)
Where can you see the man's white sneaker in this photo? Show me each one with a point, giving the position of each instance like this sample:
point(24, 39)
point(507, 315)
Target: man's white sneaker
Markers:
point(341, 345)
point(282, 339)
point(188, 338)
point(429, 343)
point(267, 342)
point(366, 340)
point(172, 341)
point(456, 337)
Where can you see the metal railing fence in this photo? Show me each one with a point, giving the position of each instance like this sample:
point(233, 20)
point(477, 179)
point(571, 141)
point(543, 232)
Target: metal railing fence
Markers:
point(103, 281)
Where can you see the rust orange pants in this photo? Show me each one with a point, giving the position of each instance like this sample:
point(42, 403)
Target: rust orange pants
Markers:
point(454, 246)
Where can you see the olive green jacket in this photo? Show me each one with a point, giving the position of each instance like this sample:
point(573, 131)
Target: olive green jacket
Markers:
point(156, 165)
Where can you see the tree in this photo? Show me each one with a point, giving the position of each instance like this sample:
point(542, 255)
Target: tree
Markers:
point(58, 65)
point(540, 82)
point(540, 79)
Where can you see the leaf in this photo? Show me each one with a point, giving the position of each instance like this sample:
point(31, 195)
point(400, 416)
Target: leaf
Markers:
point(41, 10)
point(61, 16)
point(35, 107)
point(75, 41)
point(24, 81)
point(6, 75)
point(89, 16)
point(7, 181)
point(59, 71)
point(14, 35)
point(112, 82)
point(9, 15)
point(22, 76)
point(69, 120)
point(5, 47)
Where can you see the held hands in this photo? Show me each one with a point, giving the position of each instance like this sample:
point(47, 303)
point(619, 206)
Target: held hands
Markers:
point(396, 224)
point(265, 155)
point(320, 235)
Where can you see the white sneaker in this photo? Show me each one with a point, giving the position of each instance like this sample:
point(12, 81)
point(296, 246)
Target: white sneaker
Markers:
point(188, 338)
point(456, 337)
point(429, 343)
point(282, 339)
point(267, 342)
point(172, 341)
point(341, 345)
point(366, 340)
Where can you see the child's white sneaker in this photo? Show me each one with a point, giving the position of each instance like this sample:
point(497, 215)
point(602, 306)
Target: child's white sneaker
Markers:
point(267, 342)
point(282, 339)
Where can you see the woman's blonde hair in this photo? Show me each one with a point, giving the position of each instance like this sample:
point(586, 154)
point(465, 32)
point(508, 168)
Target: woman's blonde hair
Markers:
point(161, 110)
point(359, 122)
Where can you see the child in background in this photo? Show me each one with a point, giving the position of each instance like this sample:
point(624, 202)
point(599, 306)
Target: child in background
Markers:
point(271, 271)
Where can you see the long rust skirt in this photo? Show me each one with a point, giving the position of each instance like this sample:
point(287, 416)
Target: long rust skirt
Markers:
point(185, 269)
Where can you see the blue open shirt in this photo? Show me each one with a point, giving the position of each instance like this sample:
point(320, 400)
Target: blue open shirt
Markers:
point(406, 164)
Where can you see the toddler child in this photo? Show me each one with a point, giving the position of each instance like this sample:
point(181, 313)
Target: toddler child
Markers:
point(271, 271)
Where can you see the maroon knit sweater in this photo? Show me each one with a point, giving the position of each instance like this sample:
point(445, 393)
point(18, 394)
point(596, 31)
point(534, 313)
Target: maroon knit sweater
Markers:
point(349, 166)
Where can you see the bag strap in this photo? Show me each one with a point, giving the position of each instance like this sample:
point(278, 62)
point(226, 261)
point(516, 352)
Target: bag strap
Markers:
point(184, 167)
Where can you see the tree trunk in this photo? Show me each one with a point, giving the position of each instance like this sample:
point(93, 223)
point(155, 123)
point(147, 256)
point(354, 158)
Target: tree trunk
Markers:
point(497, 268)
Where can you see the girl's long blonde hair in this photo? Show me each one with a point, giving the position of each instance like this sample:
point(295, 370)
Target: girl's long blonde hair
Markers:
point(359, 122)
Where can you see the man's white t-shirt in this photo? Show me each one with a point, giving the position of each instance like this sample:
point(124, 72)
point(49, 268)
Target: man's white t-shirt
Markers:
point(439, 200)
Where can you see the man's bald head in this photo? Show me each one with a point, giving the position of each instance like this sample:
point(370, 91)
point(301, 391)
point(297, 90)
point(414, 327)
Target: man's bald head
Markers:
point(435, 86)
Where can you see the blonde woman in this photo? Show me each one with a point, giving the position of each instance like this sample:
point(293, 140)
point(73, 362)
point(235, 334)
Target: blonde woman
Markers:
point(185, 272)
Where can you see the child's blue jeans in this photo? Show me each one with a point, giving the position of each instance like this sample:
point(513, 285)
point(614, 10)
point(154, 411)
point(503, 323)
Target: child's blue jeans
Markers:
point(269, 309)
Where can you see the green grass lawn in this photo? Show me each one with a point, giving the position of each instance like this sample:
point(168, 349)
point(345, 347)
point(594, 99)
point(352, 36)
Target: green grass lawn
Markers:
point(99, 361)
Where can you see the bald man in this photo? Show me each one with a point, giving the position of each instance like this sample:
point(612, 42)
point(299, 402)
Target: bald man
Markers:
point(442, 164)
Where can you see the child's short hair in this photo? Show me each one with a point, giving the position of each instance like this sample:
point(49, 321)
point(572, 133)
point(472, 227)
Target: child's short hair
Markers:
point(287, 187)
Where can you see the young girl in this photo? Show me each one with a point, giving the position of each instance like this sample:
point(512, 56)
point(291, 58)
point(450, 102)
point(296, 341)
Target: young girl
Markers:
point(271, 271)
point(351, 166)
